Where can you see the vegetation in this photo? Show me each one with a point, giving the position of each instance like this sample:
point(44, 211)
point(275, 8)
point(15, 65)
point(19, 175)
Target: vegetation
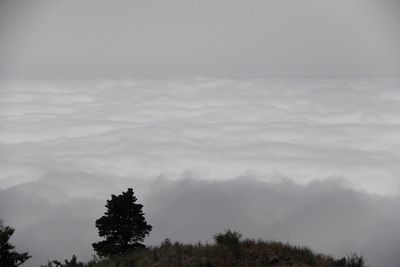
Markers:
point(67, 263)
point(123, 226)
point(8, 256)
point(228, 250)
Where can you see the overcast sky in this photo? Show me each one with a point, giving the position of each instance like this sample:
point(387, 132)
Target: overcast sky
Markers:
point(189, 38)
point(208, 146)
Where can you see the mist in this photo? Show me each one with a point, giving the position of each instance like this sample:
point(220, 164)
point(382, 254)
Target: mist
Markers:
point(308, 161)
point(326, 216)
point(276, 118)
point(190, 38)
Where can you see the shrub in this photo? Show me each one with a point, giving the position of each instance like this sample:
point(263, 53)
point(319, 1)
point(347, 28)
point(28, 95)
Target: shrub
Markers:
point(67, 263)
point(228, 239)
point(353, 260)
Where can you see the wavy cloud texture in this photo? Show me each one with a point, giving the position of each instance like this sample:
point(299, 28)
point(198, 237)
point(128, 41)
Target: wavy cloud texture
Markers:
point(312, 162)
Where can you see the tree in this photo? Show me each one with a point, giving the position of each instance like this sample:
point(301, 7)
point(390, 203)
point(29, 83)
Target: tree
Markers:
point(123, 226)
point(8, 256)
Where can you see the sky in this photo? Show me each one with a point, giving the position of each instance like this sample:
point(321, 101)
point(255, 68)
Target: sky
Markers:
point(220, 38)
point(279, 119)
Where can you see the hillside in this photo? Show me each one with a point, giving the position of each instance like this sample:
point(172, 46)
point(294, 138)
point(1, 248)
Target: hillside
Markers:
point(228, 250)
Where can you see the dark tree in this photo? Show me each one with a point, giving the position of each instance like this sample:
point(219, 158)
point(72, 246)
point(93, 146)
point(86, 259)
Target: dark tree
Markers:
point(123, 226)
point(8, 256)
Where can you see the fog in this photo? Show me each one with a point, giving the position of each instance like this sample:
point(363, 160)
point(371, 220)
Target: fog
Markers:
point(187, 38)
point(309, 161)
point(276, 118)
point(325, 215)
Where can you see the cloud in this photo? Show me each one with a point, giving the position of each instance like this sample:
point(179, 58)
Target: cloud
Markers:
point(313, 162)
point(326, 216)
point(304, 129)
point(185, 38)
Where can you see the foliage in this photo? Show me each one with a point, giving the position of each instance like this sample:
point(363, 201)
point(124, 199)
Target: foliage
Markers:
point(255, 253)
point(229, 238)
point(352, 260)
point(8, 256)
point(123, 226)
point(67, 263)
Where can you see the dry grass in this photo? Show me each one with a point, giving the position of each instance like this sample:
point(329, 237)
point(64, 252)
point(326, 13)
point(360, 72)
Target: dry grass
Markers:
point(228, 251)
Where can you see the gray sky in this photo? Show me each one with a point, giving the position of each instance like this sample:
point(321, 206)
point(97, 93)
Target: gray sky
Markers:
point(310, 161)
point(189, 38)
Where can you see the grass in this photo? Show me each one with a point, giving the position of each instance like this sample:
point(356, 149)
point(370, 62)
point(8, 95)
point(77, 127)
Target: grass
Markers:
point(228, 250)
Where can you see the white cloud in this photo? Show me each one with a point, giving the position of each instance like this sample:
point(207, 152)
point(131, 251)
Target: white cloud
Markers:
point(67, 145)
point(305, 129)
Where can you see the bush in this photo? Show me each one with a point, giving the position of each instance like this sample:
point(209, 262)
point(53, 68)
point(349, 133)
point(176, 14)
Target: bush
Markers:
point(67, 263)
point(353, 260)
point(228, 239)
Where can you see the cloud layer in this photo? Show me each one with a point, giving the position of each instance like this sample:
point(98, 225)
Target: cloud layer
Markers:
point(312, 162)
point(217, 129)
point(325, 216)
point(213, 38)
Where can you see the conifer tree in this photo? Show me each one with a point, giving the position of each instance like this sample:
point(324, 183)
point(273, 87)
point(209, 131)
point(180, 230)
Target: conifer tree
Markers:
point(8, 256)
point(123, 226)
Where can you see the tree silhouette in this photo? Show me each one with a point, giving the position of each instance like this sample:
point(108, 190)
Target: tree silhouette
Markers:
point(8, 256)
point(123, 226)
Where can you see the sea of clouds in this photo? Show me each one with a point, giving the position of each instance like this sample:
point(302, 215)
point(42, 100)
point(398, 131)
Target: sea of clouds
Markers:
point(310, 161)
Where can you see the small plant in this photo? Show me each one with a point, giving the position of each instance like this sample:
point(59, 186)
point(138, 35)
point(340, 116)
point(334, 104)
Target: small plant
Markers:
point(166, 243)
point(67, 263)
point(228, 239)
point(353, 260)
